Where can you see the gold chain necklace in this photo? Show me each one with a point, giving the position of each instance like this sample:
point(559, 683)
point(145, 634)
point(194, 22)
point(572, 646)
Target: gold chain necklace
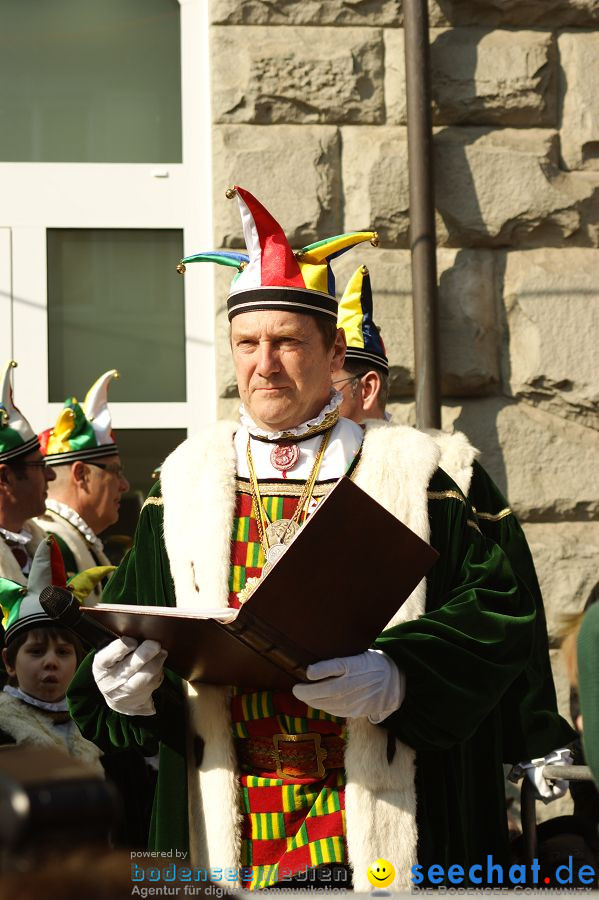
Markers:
point(274, 536)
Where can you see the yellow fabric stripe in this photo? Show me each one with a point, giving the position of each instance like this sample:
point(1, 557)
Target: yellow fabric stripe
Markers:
point(350, 316)
point(242, 527)
point(494, 517)
point(445, 495)
point(236, 578)
point(267, 826)
point(152, 501)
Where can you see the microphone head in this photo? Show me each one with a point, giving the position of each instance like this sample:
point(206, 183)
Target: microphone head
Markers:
point(59, 604)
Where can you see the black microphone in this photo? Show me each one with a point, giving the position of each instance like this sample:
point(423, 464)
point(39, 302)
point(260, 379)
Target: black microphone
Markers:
point(61, 605)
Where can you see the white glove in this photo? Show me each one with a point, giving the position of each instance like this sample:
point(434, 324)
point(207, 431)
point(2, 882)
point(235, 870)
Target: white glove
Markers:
point(547, 789)
point(128, 675)
point(369, 684)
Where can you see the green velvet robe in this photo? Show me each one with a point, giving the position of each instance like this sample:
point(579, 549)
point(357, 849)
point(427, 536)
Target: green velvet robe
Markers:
point(532, 726)
point(460, 658)
point(588, 677)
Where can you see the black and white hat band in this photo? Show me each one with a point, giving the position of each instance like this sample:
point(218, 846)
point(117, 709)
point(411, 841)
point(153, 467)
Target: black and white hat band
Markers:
point(291, 299)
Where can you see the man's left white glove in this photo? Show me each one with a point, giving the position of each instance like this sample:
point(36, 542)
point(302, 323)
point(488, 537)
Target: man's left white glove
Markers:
point(369, 684)
point(547, 789)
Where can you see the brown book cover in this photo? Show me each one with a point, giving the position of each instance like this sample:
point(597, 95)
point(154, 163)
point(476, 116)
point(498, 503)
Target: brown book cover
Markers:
point(340, 581)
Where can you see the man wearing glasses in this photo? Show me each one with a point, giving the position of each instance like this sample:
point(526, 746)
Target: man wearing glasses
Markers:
point(24, 479)
point(84, 499)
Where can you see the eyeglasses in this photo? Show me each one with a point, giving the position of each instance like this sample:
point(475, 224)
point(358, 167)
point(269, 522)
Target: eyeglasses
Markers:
point(354, 381)
point(111, 468)
point(349, 378)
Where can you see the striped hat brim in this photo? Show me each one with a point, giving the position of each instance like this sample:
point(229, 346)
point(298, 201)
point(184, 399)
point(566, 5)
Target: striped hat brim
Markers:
point(27, 447)
point(286, 299)
point(58, 459)
point(38, 619)
point(358, 354)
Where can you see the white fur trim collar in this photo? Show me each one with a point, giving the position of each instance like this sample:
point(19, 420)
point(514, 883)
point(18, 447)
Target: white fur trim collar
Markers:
point(457, 456)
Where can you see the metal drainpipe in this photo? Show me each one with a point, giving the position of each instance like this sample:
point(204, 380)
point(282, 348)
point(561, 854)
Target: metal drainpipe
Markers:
point(422, 215)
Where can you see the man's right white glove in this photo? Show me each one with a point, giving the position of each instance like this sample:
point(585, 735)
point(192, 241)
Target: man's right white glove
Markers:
point(128, 675)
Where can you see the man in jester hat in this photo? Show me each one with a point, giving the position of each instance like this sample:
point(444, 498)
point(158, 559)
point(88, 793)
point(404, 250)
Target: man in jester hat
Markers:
point(24, 479)
point(85, 497)
point(532, 726)
point(412, 727)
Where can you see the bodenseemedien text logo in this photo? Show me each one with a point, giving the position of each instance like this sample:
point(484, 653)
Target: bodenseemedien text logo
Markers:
point(492, 874)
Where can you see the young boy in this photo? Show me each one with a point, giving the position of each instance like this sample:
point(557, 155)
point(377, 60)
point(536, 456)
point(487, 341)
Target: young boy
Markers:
point(40, 660)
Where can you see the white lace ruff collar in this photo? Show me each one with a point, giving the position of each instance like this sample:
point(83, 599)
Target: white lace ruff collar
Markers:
point(65, 512)
point(17, 537)
point(59, 706)
point(246, 420)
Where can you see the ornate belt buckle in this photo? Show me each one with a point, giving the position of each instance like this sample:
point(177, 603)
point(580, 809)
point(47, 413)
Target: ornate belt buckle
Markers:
point(320, 753)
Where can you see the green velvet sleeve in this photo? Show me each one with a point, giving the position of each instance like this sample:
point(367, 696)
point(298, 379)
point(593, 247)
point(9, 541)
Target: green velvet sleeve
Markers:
point(144, 575)
point(474, 638)
point(532, 725)
point(588, 686)
point(142, 578)
point(110, 730)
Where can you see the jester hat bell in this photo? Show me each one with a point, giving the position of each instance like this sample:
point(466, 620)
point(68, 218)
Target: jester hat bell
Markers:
point(82, 431)
point(364, 343)
point(21, 607)
point(270, 275)
point(17, 437)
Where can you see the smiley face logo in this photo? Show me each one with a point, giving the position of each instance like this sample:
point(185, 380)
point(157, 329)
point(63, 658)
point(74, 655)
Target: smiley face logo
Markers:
point(380, 873)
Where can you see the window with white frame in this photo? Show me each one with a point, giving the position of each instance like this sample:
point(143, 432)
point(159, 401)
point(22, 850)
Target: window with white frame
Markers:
point(105, 178)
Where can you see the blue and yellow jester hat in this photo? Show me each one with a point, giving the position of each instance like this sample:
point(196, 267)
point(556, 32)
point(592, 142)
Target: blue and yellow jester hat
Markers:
point(270, 275)
point(82, 431)
point(17, 437)
point(21, 607)
point(364, 343)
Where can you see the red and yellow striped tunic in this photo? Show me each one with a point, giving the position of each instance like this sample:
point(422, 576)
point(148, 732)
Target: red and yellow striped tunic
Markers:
point(289, 824)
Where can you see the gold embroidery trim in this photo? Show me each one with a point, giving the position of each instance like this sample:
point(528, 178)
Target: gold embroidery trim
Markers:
point(153, 501)
point(494, 517)
point(280, 489)
point(473, 525)
point(445, 495)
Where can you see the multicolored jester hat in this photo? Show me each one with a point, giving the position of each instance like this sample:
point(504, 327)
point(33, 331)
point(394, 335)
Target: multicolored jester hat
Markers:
point(270, 275)
point(21, 606)
point(364, 342)
point(82, 431)
point(17, 437)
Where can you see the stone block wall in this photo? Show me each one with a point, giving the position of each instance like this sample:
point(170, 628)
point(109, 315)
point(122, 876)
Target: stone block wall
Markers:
point(309, 113)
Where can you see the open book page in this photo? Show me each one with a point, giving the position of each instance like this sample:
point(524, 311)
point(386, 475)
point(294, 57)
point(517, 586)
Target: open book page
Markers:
point(220, 614)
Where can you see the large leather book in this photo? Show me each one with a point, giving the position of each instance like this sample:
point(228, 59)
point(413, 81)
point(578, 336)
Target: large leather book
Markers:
point(340, 581)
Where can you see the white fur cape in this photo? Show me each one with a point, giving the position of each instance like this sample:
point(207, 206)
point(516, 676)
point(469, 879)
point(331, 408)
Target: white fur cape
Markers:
point(9, 567)
point(457, 456)
point(198, 487)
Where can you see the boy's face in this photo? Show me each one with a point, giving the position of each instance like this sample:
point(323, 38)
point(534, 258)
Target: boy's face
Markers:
point(43, 666)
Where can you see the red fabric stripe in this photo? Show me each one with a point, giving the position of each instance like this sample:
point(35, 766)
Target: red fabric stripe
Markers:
point(266, 853)
point(279, 265)
point(59, 575)
point(329, 825)
point(297, 860)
